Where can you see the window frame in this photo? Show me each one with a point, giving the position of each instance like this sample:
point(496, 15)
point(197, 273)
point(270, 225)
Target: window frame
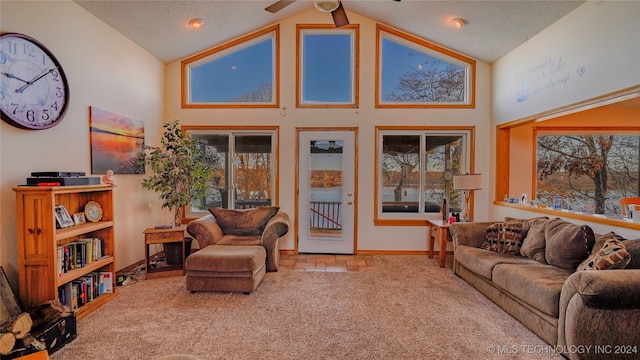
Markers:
point(433, 49)
point(250, 39)
point(355, 68)
point(504, 154)
point(419, 218)
point(273, 131)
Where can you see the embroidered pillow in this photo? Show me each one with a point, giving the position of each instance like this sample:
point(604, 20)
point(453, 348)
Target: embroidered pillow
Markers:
point(503, 237)
point(612, 255)
point(244, 222)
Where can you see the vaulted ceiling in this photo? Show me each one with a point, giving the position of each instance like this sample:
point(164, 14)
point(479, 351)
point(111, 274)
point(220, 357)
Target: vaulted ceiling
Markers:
point(494, 27)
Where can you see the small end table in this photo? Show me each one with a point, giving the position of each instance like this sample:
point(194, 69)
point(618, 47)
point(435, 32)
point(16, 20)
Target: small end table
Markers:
point(438, 230)
point(161, 236)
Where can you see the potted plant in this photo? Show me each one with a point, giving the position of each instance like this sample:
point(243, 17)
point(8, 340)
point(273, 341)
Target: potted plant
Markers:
point(181, 169)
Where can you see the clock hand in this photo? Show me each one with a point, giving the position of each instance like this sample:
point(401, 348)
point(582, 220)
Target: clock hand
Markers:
point(11, 76)
point(29, 83)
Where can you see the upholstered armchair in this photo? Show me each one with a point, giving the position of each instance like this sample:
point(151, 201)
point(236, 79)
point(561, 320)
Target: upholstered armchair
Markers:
point(259, 226)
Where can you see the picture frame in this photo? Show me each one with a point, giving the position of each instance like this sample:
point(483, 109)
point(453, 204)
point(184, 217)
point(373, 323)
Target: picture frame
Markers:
point(78, 218)
point(63, 219)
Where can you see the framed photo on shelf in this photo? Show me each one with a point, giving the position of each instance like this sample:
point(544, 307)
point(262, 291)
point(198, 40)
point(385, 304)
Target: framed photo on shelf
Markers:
point(78, 218)
point(63, 219)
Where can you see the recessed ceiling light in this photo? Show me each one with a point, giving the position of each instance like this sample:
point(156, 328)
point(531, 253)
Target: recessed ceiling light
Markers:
point(196, 23)
point(459, 23)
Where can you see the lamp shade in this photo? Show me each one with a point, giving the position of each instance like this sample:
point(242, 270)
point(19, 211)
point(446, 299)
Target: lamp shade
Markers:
point(467, 182)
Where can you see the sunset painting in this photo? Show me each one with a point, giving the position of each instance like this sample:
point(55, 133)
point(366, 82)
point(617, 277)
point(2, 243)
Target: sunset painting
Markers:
point(116, 141)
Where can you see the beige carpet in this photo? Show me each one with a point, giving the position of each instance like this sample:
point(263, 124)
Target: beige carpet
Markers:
point(406, 307)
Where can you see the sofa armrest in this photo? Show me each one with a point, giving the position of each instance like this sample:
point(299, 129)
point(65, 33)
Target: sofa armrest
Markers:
point(469, 233)
point(205, 230)
point(599, 308)
point(275, 228)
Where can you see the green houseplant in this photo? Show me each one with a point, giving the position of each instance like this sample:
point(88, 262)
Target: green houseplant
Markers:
point(181, 169)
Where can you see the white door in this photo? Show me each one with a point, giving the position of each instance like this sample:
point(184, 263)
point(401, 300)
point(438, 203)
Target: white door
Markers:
point(327, 198)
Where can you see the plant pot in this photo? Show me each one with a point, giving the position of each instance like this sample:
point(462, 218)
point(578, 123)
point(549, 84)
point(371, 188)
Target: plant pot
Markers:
point(173, 251)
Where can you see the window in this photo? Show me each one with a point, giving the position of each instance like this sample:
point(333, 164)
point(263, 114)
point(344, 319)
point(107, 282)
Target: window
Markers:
point(590, 169)
point(247, 176)
point(411, 72)
point(242, 73)
point(410, 170)
point(326, 65)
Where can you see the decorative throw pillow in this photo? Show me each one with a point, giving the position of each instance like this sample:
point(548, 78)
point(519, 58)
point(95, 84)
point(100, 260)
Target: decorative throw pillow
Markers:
point(244, 222)
point(503, 237)
point(533, 244)
point(602, 239)
point(633, 248)
point(612, 255)
point(567, 244)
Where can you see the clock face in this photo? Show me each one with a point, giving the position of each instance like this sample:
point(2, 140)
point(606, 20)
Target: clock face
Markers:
point(34, 92)
point(447, 175)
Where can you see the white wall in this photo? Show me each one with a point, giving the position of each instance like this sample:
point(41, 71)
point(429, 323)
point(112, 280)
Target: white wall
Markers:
point(105, 70)
point(595, 48)
point(370, 237)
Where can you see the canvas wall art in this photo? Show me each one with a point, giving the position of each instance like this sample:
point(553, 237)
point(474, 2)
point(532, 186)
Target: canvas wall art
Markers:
point(116, 141)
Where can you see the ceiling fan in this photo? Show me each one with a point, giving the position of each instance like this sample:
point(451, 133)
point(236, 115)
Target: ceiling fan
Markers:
point(333, 6)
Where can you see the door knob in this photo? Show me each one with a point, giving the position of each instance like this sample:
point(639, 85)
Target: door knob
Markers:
point(350, 202)
point(349, 194)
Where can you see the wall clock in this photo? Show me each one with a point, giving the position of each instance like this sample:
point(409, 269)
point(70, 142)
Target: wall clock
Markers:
point(34, 93)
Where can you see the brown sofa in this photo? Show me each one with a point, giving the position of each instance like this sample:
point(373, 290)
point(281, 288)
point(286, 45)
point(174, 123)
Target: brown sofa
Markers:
point(584, 314)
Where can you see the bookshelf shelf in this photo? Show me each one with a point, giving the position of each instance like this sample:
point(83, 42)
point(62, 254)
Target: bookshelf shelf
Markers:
point(39, 239)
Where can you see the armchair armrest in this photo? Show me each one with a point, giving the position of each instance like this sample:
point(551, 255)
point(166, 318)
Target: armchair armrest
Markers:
point(205, 230)
point(469, 233)
point(275, 228)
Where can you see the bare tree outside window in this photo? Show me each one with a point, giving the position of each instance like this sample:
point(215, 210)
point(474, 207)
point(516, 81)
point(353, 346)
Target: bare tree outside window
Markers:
point(598, 168)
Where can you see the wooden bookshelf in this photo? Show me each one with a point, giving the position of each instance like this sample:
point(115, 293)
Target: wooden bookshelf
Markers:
point(38, 240)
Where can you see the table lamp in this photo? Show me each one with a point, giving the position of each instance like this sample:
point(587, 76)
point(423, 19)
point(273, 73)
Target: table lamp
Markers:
point(467, 183)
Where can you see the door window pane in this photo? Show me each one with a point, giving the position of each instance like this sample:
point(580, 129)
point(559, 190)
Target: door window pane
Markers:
point(325, 186)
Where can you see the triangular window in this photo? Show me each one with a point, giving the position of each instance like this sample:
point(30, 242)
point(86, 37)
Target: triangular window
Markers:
point(237, 74)
point(411, 72)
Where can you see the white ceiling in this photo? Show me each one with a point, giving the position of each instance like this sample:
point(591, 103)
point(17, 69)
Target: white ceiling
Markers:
point(494, 29)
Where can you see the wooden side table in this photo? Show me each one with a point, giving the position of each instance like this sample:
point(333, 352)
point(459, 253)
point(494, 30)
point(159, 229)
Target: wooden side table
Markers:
point(438, 230)
point(161, 236)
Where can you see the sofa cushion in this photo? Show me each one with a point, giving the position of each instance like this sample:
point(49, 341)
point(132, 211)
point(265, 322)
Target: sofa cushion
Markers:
point(535, 284)
point(567, 244)
point(503, 237)
point(633, 248)
point(533, 244)
point(244, 222)
point(612, 255)
point(482, 262)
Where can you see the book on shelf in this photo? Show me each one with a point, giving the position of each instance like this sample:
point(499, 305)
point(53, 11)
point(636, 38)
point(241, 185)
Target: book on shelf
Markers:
point(79, 254)
point(107, 279)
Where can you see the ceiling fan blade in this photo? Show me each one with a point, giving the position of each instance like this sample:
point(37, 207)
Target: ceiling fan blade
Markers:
point(279, 5)
point(340, 16)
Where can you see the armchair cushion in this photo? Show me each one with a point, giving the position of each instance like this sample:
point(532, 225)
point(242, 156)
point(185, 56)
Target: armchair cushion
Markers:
point(244, 222)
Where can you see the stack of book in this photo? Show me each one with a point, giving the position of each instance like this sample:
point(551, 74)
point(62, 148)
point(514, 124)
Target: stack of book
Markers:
point(79, 254)
point(85, 289)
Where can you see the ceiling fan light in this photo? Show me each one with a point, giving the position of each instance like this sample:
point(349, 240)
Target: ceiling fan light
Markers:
point(327, 5)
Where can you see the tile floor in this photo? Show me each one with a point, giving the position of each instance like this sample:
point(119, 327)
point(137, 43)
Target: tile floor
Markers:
point(327, 263)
